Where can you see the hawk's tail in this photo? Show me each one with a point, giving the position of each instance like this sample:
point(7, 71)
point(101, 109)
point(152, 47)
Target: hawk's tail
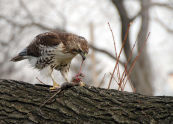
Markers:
point(18, 58)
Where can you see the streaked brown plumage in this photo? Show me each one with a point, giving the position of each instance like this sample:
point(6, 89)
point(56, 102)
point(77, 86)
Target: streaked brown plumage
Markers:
point(54, 50)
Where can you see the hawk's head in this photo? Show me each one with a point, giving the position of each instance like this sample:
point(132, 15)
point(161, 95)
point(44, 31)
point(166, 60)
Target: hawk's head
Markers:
point(83, 47)
point(79, 45)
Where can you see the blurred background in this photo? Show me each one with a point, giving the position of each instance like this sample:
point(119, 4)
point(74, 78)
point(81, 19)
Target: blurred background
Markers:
point(22, 20)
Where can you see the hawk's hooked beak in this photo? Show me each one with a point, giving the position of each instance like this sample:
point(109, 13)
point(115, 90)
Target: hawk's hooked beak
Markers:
point(83, 55)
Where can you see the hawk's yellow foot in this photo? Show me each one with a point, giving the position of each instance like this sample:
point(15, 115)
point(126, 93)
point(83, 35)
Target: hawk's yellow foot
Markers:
point(55, 85)
point(82, 84)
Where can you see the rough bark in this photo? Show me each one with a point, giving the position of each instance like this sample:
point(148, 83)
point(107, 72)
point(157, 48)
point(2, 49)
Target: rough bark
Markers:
point(20, 103)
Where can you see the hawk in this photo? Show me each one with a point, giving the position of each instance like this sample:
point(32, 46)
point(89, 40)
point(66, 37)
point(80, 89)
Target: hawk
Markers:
point(54, 50)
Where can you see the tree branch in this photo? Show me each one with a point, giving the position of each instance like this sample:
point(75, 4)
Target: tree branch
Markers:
point(168, 29)
point(20, 103)
point(10, 21)
point(106, 52)
point(26, 10)
point(133, 18)
point(165, 5)
point(125, 20)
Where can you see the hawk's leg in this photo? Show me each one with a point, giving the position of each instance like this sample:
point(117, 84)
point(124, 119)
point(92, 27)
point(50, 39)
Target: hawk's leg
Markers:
point(55, 84)
point(64, 71)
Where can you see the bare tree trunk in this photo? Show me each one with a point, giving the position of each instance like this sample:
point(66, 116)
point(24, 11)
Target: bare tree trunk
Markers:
point(145, 81)
point(141, 74)
point(20, 103)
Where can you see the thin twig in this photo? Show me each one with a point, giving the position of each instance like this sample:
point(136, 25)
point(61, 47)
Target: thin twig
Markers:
point(26, 10)
point(40, 81)
point(101, 82)
point(167, 28)
point(59, 90)
point(114, 78)
point(124, 41)
point(125, 67)
point(118, 69)
point(105, 52)
point(12, 22)
point(139, 53)
point(165, 5)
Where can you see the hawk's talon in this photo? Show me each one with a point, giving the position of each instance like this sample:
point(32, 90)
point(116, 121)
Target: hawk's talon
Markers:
point(55, 85)
point(82, 84)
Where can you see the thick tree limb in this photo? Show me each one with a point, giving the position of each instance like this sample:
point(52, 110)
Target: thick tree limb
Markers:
point(20, 103)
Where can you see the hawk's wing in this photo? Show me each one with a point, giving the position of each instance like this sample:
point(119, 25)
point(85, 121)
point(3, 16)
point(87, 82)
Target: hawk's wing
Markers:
point(43, 41)
point(68, 42)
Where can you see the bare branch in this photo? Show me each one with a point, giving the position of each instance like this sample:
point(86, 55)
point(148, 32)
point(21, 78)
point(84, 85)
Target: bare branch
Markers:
point(125, 20)
point(2, 43)
point(165, 5)
point(164, 25)
point(133, 18)
point(26, 10)
point(58, 13)
point(106, 52)
point(25, 25)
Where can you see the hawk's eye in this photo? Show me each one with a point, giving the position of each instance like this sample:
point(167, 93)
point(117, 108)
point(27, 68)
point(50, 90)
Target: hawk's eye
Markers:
point(79, 51)
point(75, 51)
point(81, 37)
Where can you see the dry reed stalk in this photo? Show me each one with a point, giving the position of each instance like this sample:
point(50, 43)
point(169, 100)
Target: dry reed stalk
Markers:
point(118, 69)
point(139, 53)
point(113, 78)
point(102, 81)
point(124, 41)
point(123, 76)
